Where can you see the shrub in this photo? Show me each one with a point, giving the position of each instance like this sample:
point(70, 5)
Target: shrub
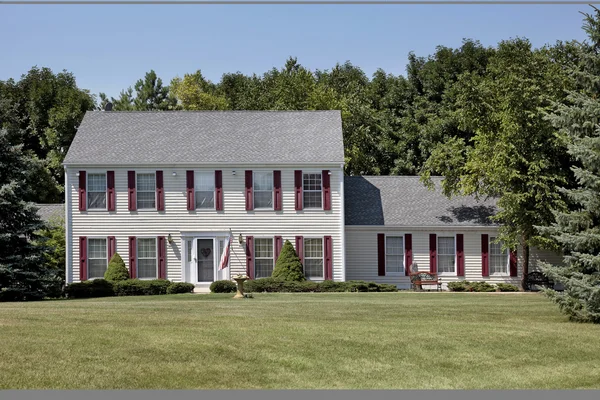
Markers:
point(88, 289)
point(357, 286)
point(288, 266)
point(458, 286)
point(271, 285)
point(223, 287)
point(386, 287)
point(507, 287)
point(264, 285)
point(116, 270)
point(332, 286)
point(180, 287)
point(137, 287)
point(481, 287)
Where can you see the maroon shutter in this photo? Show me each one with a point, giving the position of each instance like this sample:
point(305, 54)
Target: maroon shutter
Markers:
point(110, 187)
point(219, 190)
point(249, 193)
point(82, 257)
point(298, 190)
point(381, 254)
point(460, 254)
point(407, 253)
point(82, 194)
point(160, 192)
point(513, 263)
point(112, 247)
point(328, 258)
point(278, 246)
point(485, 263)
point(250, 256)
point(277, 190)
point(162, 258)
point(300, 248)
point(132, 257)
point(189, 185)
point(326, 190)
point(131, 190)
point(433, 253)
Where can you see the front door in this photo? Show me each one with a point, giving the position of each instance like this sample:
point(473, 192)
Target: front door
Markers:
point(206, 260)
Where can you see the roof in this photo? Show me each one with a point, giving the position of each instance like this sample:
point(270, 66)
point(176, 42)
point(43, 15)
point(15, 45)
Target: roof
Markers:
point(179, 137)
point(51, 211)
point(405, 201)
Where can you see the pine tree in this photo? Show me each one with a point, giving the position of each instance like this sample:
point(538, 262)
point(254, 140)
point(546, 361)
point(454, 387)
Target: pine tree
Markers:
point(577, 231)
point(116, 270)
point(288, 266)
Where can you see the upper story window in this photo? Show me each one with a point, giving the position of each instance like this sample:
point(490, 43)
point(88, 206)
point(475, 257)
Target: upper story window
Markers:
point(204, 189)
point(263, 189)
point(147, 265)
point(96, 193)
point(394, 255)
point(146, 191)
point(498, 258)
point(312, 190)
point(263, 257)
point(313, 258)
point(446, 255)
point(97, 258)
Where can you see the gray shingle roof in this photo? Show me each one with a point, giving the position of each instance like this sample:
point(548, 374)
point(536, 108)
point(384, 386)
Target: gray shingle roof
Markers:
point(405, 201)
point(171, 137)
point(51, 211)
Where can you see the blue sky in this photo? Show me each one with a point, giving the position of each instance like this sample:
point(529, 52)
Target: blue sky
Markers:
point(109, 47)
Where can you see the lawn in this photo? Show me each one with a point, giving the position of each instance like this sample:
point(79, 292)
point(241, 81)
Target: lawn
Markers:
point(330, 340)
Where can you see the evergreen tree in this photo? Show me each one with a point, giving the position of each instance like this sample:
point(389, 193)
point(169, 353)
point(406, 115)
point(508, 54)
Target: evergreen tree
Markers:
point(288, 266)
point(116, 271)
point(52, 239)
point(577, 231)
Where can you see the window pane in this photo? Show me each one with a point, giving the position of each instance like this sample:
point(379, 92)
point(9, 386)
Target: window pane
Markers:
point(146, 200)
point(498, 258)
point(96, 199)
point(445, 263)
point(312, 181)
point(446, 245)
point(204, 181)
point(96, 268)
point(263, 199)
point(263, 254)
point(146, 248)
point(263, 268)
point(205, 199)
point(394, 263)
point(97, 182)
point(189, 250)
point(263, 248)
point(263, 181)
point(313, 268)
point(147, 268)
point(146, 182)
point(97, 248)
point(394, 245)
point(313, 248)
point(312, 199)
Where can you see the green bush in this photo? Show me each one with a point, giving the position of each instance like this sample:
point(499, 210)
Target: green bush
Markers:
point(458, 286)
point(357, 286)
point(137, 287)
point(507, 287)
point(386, 287)
point(271, 285)
point(465, 286)
point(223, 287)
point(116, 270)
point(180, 287)
point(288, 266)
point(88, 289)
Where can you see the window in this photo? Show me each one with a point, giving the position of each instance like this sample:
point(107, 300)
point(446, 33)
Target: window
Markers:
point(97, 258)
point(446, 255)
point(263, 257)
point(189, 250)
point(313, 258)
point(205, 189)
point(498, 258)
point(96, 191)
point(263, 189)
point(147, 267)
point(394, 255)
point(146, 191)
point(312, 190)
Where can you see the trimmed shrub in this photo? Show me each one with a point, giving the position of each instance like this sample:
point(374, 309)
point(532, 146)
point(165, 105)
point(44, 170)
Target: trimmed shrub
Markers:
point(332, 286)
point(137, 287)
point(387, 287)
point(180, 287)
point(507, 287)
point(481, 287)
point(223, 287)
point(116, 270)
point(270, 285)
point(88, 289)
point(288, 266)
point(458, 286)
point(357, 286)
point(264, 285)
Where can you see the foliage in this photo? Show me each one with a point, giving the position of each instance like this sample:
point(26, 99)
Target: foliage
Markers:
point(288, 266)
point(194, 92)
point(180, 287)
point(272, 285)
point(52, 240)
point(89, 289)
point(223, 286)
point(507, 287)
point(458, 286)
point(138, 287)
point(150, 95)
point(465, 286)
point(116, 271)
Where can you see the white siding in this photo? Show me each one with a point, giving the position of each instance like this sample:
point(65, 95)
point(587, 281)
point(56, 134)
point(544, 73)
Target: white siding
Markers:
point(176, 218)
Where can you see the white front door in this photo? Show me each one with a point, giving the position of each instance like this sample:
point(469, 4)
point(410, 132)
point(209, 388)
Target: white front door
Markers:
point(203, 257)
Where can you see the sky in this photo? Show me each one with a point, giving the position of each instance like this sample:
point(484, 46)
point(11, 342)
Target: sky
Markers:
point(109, 47)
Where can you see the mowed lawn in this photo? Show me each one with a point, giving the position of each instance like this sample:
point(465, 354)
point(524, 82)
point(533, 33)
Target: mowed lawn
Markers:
point(330, 340)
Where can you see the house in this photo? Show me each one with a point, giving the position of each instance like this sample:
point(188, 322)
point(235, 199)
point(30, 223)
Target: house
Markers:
point(165, 190)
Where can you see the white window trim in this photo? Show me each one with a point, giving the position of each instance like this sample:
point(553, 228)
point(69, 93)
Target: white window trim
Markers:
point(322, 238)
point(87, 190)
point(205, 171)
point(312, 172)
point(403, 235)
point(506, 266)
point(137, 258)
point(272, 191)
point(273, 248)
point(88, 256)
point(437, 251)
point(137, 191)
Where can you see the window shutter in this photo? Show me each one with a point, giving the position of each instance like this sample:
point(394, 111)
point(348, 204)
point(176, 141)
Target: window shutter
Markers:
point(485, 260)
point(381, 254)
point(407, 253)
point(132, 257)
point(112, 247)
point(189, 184)
point(82, 257)
point(250, 256)
point(160, 192)
point(298, 190)
point(110, 186)
point(300, 248)
point(513, 263)
point(433, 253)
point(162, 258)
point(82, 194)
point(219, 190)
point(278, 246)
point(277, 190)
point(328, 258)
point(131, 190)
point(326, 190)
point(249, 202)
point(460, 254)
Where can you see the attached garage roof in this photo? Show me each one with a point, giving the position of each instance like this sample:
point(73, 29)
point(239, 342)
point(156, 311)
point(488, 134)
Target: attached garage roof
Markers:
point(49, 212)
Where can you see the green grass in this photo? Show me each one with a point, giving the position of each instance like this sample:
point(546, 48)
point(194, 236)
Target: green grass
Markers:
point(330, 340)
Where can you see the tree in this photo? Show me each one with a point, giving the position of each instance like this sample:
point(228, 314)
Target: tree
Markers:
point(150, 95)
point(116, 270)
point(515, 154)
point(52, 239)
point(288, 266)
point(193, 92)
point(577, 230)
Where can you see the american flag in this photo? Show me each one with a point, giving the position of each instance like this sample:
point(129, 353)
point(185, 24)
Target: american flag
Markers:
point(225, 256)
